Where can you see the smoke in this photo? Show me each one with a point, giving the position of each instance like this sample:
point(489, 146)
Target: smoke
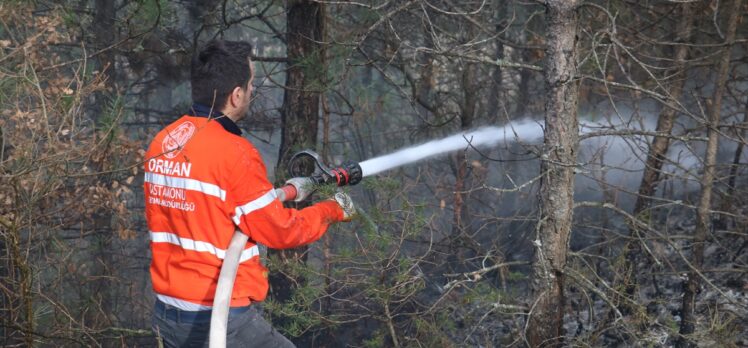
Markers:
point(616, 161)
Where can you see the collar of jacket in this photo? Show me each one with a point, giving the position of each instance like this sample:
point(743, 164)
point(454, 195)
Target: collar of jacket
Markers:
point(202, 110)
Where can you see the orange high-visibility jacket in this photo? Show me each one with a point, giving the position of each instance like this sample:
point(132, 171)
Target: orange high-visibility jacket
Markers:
point(201, 184)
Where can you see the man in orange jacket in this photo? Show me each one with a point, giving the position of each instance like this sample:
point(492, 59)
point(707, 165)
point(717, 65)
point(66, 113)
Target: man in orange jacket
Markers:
point(202, 182)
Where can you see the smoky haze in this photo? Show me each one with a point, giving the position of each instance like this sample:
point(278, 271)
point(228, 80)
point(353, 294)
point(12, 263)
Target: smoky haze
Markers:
point(614, 161)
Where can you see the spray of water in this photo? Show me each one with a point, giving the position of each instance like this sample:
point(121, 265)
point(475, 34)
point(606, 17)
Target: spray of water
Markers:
point(525, 130)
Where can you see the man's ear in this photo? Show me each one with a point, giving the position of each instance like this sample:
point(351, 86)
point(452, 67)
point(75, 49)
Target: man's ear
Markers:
point(236, 96)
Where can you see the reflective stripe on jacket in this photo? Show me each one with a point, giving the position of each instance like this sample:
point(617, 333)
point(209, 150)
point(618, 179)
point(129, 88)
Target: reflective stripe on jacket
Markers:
point(201, 184)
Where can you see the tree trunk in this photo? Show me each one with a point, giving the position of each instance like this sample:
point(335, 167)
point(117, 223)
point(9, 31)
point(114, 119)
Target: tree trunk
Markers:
point(301, 102)
point(524, 90)
point(545, 327)
point(304, 79)
point(729, 196)
point(104, 26)
point(460, 218)
point(703, 218)
point(496, 78)
point(742, 137)
point(425, 85)
point(525, 78)
point(657, 153)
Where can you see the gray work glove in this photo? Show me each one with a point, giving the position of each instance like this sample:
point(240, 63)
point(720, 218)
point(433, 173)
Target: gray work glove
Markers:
point(304, 187)
point(346, 203)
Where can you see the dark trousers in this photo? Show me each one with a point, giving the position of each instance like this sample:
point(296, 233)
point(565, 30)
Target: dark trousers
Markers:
point(246, 328)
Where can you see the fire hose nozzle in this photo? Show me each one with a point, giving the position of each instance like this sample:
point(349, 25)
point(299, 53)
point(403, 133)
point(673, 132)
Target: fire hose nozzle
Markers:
point(349, 173)
point(307, 165)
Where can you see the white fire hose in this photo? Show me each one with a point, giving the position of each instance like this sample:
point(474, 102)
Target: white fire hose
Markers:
point(348, 174)
point(222, 301)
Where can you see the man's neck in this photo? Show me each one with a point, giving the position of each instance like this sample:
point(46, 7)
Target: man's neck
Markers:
point(228, 123)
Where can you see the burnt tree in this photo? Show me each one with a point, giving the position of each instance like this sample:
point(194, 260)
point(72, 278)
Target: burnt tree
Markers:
point(657, 154)
point(703, 217)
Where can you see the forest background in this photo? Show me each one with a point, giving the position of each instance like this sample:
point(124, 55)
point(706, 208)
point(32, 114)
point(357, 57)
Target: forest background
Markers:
point(622, 224)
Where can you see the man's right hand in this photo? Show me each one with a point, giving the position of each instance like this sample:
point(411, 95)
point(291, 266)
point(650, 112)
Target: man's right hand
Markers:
point(346, 203)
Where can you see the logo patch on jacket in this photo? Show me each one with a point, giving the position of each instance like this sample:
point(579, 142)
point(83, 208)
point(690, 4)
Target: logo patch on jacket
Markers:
point(175, 139)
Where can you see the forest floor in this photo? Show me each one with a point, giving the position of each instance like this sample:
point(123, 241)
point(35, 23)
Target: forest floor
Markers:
point(722, 304)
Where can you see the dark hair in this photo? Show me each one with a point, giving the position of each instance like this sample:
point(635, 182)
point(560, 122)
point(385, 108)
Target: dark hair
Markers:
point(217, 69)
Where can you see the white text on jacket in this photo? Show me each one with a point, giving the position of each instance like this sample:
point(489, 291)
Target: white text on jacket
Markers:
point(169, 167)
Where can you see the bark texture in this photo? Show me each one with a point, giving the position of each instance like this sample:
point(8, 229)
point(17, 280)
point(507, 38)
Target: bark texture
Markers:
point(461, 216)
point(304, 79)
point(703, 218)
point(100, 287)
point(492, 108)
point(545, 327)
point(742, 135)
point(301, 105)
point(467, 115)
